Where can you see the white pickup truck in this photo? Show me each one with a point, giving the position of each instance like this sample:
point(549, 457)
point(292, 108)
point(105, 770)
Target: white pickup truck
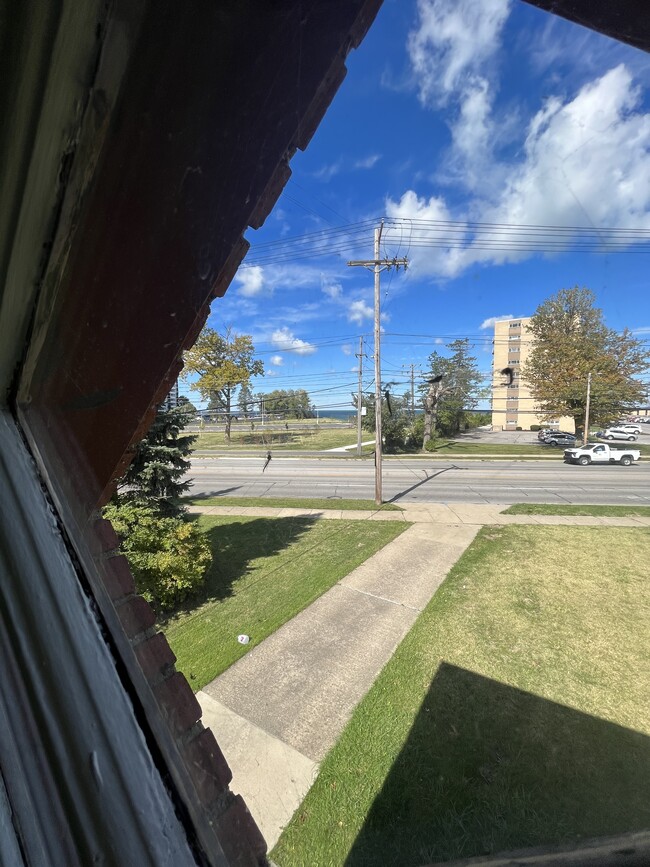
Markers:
point(599, 453)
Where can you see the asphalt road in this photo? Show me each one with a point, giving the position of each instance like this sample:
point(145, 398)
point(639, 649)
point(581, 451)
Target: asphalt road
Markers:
point(420, 480)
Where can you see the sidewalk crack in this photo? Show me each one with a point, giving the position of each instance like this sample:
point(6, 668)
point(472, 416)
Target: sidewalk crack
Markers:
point(381, 598)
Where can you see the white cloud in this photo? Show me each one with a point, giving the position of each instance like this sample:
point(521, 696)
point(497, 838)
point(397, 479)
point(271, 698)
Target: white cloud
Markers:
point(442, 261)
point(282, 338)
point(452, 41)
point(470, 160)
point(583, 161)
point(586, 162)
point(277, 360)
point(358, 311)
point(296, 275)
point(367, 162)
point(433, 209)
point(281, 217)
point(251, 280)
point(331, 288)
point(489, 323)
point(346, 349)
point(327, 172)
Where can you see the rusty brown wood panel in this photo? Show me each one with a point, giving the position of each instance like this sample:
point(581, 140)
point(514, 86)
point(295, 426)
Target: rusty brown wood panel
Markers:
point(215, 100)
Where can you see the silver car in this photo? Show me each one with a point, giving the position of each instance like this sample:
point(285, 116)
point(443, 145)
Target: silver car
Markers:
point(616, 433)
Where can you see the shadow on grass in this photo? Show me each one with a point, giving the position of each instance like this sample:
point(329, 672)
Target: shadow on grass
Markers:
point(448, 444)
point(236, 545)
point(488, 768)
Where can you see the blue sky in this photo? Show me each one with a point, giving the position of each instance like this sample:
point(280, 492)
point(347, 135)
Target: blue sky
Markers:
point(459, 119)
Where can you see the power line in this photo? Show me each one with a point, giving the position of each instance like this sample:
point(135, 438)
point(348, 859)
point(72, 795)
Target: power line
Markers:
point(455, 234)
point(294, 183)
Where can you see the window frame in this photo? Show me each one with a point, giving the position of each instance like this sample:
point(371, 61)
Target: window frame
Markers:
point(101, 97)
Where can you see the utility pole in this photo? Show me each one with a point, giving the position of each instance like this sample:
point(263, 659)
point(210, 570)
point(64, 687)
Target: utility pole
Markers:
point(359, 407)
point(412, 392)
point(378, 264)
point(586, 433)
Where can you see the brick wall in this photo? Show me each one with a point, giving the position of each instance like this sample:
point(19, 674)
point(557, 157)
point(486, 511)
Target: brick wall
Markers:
point(235, 828)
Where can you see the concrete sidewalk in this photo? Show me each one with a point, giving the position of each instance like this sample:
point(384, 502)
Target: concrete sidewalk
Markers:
point(475, 514)
point(279, 709)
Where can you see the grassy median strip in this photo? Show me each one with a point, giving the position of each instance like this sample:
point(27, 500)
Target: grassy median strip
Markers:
point(515, 713)
point(308, 439)
point(587, 511)
point(463, 447)
point(265, 571)
point(533, 449)
point(295, 503)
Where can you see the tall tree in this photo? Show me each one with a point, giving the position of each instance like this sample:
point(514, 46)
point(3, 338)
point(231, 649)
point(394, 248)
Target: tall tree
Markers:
point(452, 386)
point(188, 405)
point(167, 552)
point(399, 431)
point(245, 400)
point(569, 341)
point(289, 403)
point(223, 363)
point(161, 460)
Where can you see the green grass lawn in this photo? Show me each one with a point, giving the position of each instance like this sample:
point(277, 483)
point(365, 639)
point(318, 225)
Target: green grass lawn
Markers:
point(265, 571)
point(295, 503)
point(515, 713)
point(311, 438)
point(314, 438)
point(465, 447)
point(590, 511)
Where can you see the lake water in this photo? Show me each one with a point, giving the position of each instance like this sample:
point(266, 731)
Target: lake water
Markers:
point(338, 414)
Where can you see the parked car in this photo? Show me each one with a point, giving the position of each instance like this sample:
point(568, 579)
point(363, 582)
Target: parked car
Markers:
point(560, 439)
point(599, 453)
point(551, 434)
point(629, 427)
point(616, 433)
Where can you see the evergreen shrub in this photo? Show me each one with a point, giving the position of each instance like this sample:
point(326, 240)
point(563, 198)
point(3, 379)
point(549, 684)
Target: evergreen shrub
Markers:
point(168, 556)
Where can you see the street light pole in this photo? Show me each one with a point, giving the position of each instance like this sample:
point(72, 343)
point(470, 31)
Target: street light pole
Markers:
point(378, 440)
point(359, 392)
point(586, 431)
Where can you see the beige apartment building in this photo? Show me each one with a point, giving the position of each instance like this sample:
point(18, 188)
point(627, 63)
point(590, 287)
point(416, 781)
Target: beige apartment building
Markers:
point(513, 405)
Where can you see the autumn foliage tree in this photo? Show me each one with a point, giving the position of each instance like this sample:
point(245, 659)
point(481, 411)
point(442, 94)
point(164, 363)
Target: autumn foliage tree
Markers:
point(223, 362)
point(569, 341)
point(288, 403)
